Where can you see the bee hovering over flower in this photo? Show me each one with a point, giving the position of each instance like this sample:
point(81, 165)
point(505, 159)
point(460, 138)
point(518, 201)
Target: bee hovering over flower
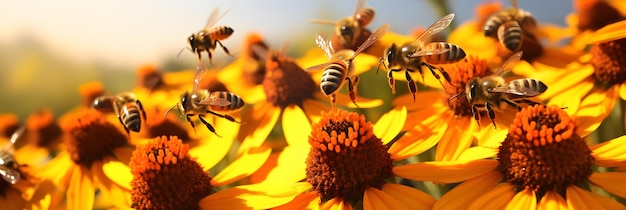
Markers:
point(201, 102)
point(510, 26)
point(127, 108)
point(9, 168)
point(421, 52)
point(209, 37)
point(350, 32)
point(339, 68)
point(491, 92)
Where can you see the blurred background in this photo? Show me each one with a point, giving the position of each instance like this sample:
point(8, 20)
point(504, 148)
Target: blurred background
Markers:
point(49, 48)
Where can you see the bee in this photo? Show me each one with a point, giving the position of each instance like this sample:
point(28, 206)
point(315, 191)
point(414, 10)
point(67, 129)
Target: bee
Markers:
point(510, 26)
point(9, 168)
point(339, 68)
point(350, 32)
point(209, 37)
point(491, 91)
point(202, 102)
point(127, 108)
point(420, 52)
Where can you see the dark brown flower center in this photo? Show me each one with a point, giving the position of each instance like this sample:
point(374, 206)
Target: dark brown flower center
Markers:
point(609, 62)
point(346, 158)
point(595, 14)
point(210, 82)
point(166, 177)
point(8, 124)
point(542, 151)
point(253, 65)
point(92, 137)
point(149, 77)
point(285, 82)
point(460, 73)
point(160, 125)
point(43, 130)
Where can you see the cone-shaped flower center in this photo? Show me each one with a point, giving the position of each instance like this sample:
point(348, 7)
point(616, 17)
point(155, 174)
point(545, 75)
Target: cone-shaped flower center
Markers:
point(609, 62)
point(92, 137)
point(43, 128)
point(460, 73)
point(542, 151)
point(346, 158)
point(595, 14)
point(285, 82)
point(166, 177)
point(160, 125)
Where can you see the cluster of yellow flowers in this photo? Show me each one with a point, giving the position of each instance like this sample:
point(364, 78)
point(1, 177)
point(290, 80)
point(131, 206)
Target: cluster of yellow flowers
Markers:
point(437, 146)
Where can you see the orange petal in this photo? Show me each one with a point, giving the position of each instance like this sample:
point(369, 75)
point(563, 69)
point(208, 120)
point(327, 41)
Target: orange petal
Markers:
point(552, 200)
point(417, 140)
point(260, 121)
point(461, 196)
point(307, 200)
point(445, 172)
point(256, 196)
point(610, 181)
point(409, 197)
point(313, 109)
point(496, 198)
point(81, 190)
point(477, 153)
point(377, 199)
point(335, 204)
point(622, 91)
point(242, 167)
point(606, 202)
point(580, 199)
point(425, 100)
point(611, 153)
point(390, 124)
point(296, 126)
point(291, 166)
point(525, 199)
point(455, 140)
point(609, 33)
point(344, 100)
point(118, 172)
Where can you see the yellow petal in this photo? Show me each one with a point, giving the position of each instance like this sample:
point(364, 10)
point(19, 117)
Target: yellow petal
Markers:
point(580, 199)
point(525, 199)
point(242, 167)
point(611, 153)
point(260, 120)
point(445, 172)
point(594, 109)
point(496, 198)
point(118, 172)
point(417, 140)
point(291, 166)
point(296, 126)
point(215, 146)
point(552, 200)
point(461, 196)
point(307, 200)
point(571, 98)
point(335, 204)
point(123, 154)
point(610, 181)
point(622, 91)
point(344, 100)
point(409, 197)
point(250, 197)
point(31, 155)
point(119, 195)
point(390, 124)
point(473, 41)
point(609, 33)
point(491, 138)
point(58, 170)
point(477, 153)
point(377, 199)
point(46, 196)
point(313, 109)
point(80, 194)
point(455, 140)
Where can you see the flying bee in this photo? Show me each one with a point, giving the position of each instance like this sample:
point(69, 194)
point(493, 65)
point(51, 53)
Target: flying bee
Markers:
point(421, 52)
point(127, 108)
point(510, 26)
point(209, 37)
point(339, 68)
point(9, 168)
point(200, 102)
point(350, 32)
point(491, 91)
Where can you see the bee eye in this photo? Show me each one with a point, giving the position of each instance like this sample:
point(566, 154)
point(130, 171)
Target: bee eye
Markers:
point(346, 31)
point(391, 53)
point(472, 91)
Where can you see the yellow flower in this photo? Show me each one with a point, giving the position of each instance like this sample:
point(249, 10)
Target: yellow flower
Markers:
point(41, 140)
point(18, 195)
point(348, 163)
point(165, 176)
point(541, 163)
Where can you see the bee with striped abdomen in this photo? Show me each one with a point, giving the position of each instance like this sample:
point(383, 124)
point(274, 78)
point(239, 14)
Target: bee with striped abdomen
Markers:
point(209, 37)
point(202, 102)
point(350, 32)
point(339, 68)
point(421, 52)
point(126, 106)
point(491, 92)
point(9, 168)
point(510, 26)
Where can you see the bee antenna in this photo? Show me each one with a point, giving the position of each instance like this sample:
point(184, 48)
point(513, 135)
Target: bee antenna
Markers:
point(381, 61)
point(170, 109)
point(181, 51)
point(15, 136)
point(456, 95)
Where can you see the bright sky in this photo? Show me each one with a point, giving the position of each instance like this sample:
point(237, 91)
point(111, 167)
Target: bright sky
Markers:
point(141, 31)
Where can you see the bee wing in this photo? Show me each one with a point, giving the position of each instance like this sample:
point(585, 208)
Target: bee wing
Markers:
point(211, 101)
point(199, 73)
point(371, 40)
point(14, 137)
point(214, 17)
point(515, 90)
point(429, 52)
point(436, 27)
point(359, 5)
point(318, 67)
point(9, 174)
point(326, 22)
point(260, 51)
point(325, 45)
point(514, 3)
point(509, 63)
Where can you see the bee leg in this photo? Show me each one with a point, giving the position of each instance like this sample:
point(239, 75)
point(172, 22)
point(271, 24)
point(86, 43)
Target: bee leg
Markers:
point(221, 45)
point(143, 112)
point(333, 100)
point(352, 83)
point(410, 83)
point(392, 82)
point(476, 114)
point(511, 103)
point(193, 125)
point(225, 116)
point(432, 71)
point(529, 102)
point(492, 114)
point(208, 125)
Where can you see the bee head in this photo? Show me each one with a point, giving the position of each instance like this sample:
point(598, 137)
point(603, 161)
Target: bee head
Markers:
point(103, 103)
point(347, 31)
point(193, 42)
